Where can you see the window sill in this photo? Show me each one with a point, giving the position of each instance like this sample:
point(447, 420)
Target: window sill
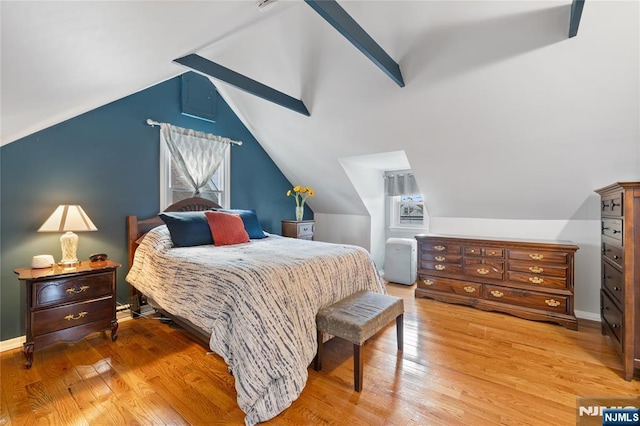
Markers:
point(421, 230)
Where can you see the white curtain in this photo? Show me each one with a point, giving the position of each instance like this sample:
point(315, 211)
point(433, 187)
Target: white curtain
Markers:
point(400, 182)
point(198, 155)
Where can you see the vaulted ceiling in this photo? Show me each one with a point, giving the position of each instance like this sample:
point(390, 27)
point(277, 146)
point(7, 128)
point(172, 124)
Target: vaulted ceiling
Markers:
point(502, 115)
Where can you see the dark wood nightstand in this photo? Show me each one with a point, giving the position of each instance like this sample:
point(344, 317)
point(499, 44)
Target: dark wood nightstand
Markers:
point(302, 229)
point(66, 304)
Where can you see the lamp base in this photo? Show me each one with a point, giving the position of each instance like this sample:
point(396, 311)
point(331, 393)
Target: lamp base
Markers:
point(66, 264)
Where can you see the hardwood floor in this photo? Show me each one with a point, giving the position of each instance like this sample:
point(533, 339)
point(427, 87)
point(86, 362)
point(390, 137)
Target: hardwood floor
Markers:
point(460, 366)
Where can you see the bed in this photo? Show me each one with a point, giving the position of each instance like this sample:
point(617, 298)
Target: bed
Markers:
point(254, 303)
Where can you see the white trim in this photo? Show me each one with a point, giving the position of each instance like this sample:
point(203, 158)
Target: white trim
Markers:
point(7, 345)
point(165, 177)
point(592, 316)
point(15, 343)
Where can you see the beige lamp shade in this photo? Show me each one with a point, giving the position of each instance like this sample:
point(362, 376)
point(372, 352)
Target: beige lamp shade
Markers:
point(68, 218)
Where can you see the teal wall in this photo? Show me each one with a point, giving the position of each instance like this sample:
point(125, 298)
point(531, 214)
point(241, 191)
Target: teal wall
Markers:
point(107, 160)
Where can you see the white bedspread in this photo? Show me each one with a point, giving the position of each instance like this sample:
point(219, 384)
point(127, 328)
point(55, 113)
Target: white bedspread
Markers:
point(259, 300)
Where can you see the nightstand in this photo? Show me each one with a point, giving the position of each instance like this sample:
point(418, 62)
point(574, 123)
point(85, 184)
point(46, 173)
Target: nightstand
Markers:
point(302, 229)
point(66, 304)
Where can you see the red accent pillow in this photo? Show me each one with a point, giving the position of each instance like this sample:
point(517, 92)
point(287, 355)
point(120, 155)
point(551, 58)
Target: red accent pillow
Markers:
point(226, 228)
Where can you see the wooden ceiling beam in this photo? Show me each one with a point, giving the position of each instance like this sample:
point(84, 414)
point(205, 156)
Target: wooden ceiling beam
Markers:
point(335, 15)
point(576, 14)
point(217, 71)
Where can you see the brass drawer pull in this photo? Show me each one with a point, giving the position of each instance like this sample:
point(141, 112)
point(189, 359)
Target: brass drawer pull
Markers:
point(440, 267)
point(440, 258)
point(552, 302)
point(73, 317)
point(77, 290)
point(427, 282)
point(469, 289)
point(536, 256)
point(439, 248)
point(536, 270)
point(482, 271)
point(536, 280)
point(496, 293)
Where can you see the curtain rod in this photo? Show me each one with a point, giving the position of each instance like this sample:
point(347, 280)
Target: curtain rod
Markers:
point(154, 123)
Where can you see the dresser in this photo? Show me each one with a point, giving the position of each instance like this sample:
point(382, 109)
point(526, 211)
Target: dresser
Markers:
point(66, 304)
point(620, 271)
point(529, 279)
point(298, 229)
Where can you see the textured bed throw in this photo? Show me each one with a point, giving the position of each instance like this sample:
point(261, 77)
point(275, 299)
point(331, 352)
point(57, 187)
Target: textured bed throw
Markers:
point(259, 300)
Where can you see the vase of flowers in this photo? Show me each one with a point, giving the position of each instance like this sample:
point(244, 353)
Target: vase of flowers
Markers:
point(300, 193)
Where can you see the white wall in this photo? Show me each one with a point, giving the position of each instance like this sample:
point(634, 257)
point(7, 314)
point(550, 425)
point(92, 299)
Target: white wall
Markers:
point(369, 182)
point(585, 234)
point(343, 229)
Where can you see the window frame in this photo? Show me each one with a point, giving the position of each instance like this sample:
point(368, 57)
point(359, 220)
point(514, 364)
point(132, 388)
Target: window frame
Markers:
point(166, 198)
point(394, 214)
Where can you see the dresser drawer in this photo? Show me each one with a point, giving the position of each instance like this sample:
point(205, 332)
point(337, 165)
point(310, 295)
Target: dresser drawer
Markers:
point(613, 282)
point(483, 251)
point(484, 268)
point(61, 317)
point(440, 247)
point(72, 289)
point(536, 269)
point(613, 320)
point(611, 204)
point(445, 268)
point(539, 256)
point(612, 228)
point(437, 257)
point(445, 285)
point(537, 280)
point(527, 299)
point(613, 252)
point(305, 230)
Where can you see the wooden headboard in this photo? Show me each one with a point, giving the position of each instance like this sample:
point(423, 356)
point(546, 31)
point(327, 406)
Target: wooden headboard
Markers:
point(137, 228)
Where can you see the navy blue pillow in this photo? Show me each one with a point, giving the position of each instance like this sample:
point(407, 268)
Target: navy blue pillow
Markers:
point(188, 228)
point(250, 220)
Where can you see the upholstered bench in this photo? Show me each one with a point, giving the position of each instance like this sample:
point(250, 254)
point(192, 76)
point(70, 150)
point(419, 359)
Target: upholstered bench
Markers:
point(356, 318)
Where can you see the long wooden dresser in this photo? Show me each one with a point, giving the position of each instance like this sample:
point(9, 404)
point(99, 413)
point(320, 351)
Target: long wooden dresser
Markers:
point(620, 273)
point(529, 279)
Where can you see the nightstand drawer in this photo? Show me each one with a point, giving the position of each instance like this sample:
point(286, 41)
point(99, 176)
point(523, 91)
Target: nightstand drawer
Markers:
point(61, 317)
point(71, 289)
point(305, 230)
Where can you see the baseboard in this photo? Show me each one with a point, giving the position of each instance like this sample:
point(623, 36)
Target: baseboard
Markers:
point(588, 315)
point(125, 315)
point(7, 345)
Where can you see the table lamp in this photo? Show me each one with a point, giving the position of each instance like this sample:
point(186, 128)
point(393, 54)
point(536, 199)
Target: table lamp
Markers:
point(68, 218)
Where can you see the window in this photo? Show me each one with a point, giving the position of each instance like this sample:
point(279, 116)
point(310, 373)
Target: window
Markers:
point(410, 210)
point(407, 211)
point(174, 187)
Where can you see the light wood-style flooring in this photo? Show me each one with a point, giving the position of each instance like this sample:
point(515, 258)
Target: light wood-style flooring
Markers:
point(460, 366)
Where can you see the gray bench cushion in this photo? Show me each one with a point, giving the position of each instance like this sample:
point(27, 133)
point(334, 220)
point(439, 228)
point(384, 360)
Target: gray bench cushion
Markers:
point(359, 316)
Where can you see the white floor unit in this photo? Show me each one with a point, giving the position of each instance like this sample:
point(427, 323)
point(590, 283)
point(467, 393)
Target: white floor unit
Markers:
point(400, 260)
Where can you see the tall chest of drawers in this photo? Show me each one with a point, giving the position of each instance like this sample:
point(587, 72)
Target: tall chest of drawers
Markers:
point(529, 279)
point(620, 270)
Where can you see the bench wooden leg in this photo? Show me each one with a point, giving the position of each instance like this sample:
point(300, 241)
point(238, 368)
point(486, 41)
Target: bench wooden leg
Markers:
point(317, 363)
point(357, 367)
point(400, 331)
